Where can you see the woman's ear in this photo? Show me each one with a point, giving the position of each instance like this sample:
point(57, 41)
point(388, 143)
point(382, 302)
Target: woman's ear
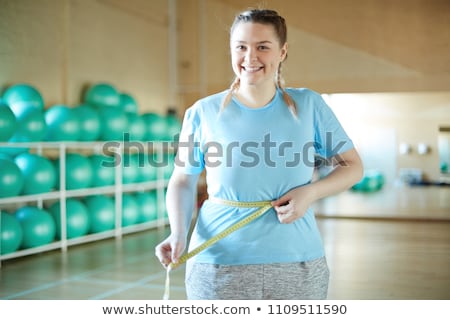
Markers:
point(284, 50)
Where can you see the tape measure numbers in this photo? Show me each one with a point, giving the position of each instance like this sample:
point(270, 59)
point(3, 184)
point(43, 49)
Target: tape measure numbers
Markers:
point(263, 207)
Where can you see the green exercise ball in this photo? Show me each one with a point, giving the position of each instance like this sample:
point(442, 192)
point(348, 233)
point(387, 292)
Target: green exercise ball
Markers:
point(147, 168)
point(148, 204)
point(102, 213)
point(31, 124)
point(137, 129)
point(103, 170)
point(90, 125)
point(130, 210)
point(10, 233)
point(78, 171)
point(7, 122)
point(62, 124)
point(372, 181)
point(157, 129)
point(11, 178)
point(38, 227)
point(102, 94)
point(38, 172)
point(114, 123)
point(128, 103)
point(22, 96)
point(77, 218)
point(173, 127)
point(130, 167)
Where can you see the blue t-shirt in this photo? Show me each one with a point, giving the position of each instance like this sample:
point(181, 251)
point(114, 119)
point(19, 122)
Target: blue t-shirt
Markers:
point(256, 154)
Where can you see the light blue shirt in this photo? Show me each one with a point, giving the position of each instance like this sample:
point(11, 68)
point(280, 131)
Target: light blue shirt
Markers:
point(253, 155)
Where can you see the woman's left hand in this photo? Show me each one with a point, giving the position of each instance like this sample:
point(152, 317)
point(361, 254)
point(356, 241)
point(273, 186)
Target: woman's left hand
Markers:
point(293, 204)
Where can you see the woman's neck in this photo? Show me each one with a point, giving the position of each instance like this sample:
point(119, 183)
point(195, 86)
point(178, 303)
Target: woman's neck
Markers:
point(254, 97)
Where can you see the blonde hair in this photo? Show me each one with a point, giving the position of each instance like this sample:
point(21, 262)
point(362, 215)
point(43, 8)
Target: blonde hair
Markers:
point(269, 17)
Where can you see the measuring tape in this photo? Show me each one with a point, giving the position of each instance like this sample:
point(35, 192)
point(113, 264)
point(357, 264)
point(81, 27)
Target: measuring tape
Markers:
point(263, 207)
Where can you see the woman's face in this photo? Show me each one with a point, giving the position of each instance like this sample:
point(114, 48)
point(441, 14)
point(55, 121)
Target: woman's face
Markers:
point(256, 53)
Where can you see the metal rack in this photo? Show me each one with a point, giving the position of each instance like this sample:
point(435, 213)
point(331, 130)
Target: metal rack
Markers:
point(160, 148)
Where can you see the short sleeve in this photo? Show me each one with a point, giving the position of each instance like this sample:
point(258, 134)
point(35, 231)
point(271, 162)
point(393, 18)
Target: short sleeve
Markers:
point(330, 137)
point(189, 157)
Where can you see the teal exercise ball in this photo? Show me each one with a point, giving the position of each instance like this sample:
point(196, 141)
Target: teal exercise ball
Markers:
point(102, 95)
point(173, 127)
point(148, 204)
point(103, 170)
point(372, 181)
point(157, 129)
point(62, 124)
point(11, 178)
point(114, 123)
point(77, 218)
point(38, 227)
point(89, 120)
point(7, 122)
point(31, 124)
point(130, 210)
point(102, 213)
point(130, 167)
point(147, 168)
point(10, 233)
point(21, 96)
point(78, 171)
point(128, 103)
point(137, 129)
point(38, 172)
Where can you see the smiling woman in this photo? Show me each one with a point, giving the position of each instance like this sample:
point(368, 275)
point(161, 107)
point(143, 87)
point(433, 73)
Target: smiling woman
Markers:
point(262, 127)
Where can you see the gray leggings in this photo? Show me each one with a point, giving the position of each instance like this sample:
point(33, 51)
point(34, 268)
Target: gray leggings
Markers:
point(278, 281)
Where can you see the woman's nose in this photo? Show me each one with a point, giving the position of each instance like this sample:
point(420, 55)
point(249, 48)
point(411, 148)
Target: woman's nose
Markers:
point(251, 55)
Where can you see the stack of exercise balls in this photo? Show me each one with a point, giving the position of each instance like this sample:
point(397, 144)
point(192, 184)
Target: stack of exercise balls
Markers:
point(372, 181)
point(104, 114)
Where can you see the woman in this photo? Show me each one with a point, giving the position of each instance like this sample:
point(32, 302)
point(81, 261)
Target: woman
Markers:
point(257, 141)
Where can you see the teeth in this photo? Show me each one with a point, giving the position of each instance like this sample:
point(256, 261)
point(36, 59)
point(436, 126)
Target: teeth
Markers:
point(252, 69)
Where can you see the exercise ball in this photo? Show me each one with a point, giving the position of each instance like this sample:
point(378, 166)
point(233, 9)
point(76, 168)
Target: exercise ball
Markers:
point(130, 210)
point(148, 205)
point(22, 95)
point(78, 171)
point(372, 181)
point(103, 170)
point(173, 127)
point(31, 124)
point(102, 94)
point(11, 178)
point(128, 103)
point(38, 226)
point(130, 167)
point(114, 123)
point(10, 233)
point(102, 213)
point(137, 128)
point(14, 151)
point(77, 218)
point(7, 122)
point(38, 172)
point(169, 165)
point(89, 121)
point(62, 124)
point(147, 168)
point(157, 129)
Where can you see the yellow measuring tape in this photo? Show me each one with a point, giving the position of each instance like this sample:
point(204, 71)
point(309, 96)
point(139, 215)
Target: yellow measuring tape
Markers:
point(263, 207)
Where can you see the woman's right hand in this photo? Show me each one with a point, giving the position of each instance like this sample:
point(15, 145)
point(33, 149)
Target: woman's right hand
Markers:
point(170, 250)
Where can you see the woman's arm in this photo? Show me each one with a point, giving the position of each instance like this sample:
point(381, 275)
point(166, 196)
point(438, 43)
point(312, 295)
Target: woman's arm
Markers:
point(348, 170)
point(180, 204)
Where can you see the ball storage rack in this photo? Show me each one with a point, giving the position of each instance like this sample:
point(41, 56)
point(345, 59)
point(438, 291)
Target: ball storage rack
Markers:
point(116, 190)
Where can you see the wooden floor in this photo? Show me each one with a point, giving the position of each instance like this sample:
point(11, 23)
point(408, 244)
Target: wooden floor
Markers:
point(368, 259)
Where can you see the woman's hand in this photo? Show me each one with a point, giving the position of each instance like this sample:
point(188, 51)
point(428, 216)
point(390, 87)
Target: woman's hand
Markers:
point(293, 204)
point(170, 250)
